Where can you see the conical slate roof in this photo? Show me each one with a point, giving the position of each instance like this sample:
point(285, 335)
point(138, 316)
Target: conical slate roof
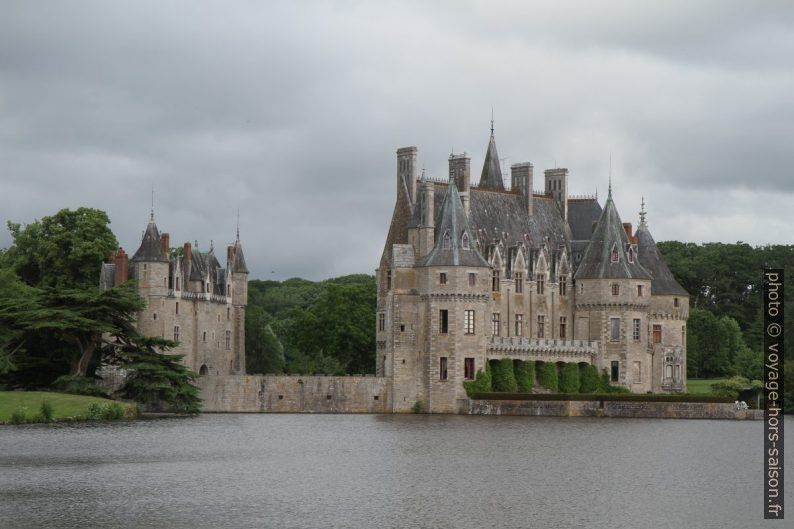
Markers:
point(608, 234)
point(491, 172)
point(150, 248)
point(662, 280)
point(239, 266)
point(452, 226)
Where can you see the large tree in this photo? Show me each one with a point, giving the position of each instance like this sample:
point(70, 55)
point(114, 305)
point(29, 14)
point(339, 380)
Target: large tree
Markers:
point(64, 250)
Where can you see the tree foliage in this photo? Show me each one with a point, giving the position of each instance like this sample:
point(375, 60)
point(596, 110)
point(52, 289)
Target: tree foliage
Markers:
point(525, 375)
point(547, 375)
point(502, 376)
point(569, 378)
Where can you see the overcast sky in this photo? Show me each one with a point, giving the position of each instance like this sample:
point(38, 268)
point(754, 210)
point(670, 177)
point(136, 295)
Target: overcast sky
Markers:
point(292, 112)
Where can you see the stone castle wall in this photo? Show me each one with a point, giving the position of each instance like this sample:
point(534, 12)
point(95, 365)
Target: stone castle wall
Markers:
point(295, 394)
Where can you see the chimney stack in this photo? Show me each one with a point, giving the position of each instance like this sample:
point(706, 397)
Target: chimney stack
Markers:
point(406, 171)
point(165, 247)
point(460, 173)
point(521, 182)
point(122, 262)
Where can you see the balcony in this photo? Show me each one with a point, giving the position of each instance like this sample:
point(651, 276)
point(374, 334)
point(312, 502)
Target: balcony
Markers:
point(542, 349)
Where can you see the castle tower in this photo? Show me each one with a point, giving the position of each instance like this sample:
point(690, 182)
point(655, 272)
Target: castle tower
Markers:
point(150, 268)
point(612, 302)
point(238, 271)
point(557, 188)
point(668, 315)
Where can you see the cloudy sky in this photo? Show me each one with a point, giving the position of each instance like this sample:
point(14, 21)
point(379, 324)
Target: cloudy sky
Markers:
point(292, 112)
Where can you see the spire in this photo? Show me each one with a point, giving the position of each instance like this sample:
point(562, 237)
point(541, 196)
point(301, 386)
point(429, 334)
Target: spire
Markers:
point(238, 225)
point(492, 121)
point(455, 242)
point(151, 214)
point(491, 177)
point(609, 193)
point(642, 212)
point(663, 281)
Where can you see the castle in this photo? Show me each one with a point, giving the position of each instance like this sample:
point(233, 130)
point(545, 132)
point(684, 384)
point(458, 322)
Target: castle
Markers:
point(190, 299)
point(471, 273)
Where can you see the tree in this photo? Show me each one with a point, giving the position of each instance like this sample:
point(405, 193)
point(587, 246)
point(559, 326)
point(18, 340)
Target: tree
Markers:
point(77, 318)
point(589, 379)
point(263, 350)
point(11, 340)
point(65, 250)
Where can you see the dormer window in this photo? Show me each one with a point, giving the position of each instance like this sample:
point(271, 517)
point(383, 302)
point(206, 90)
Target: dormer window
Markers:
point(464, 241)
point(613, 255)
point(631, 255)
point(447, 240)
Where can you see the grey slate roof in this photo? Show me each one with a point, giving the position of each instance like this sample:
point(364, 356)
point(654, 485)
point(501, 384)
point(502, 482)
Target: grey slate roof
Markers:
point(452, 224)
point(239, 266)
point(663, 282)
point(609, 233)
point(581, 215)
point(203, 264)
point(150, 249)
point(491, 171)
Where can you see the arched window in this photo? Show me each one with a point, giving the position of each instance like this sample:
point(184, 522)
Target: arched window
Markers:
point(631, 255)
point(447, 240)
point(464, 241)
point(203, 369)
point(613, 255)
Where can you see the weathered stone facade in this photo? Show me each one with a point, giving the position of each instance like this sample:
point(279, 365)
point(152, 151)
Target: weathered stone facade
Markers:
point(189, 299)
point(471, 273)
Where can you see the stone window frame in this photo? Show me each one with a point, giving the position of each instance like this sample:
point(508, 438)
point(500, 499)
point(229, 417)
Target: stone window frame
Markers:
point(639, 291)
point(540, 283)
point(564, 285)
point(228, 340)
point(381, 321)
point(541, 325)
point(496, 324)
point(519, 324)
point(443, 368)
point(657, 333)
point(442, 278)
point(472, 279)
point(615, 289)
point(614, 256)
point(469, 327)
point(636, 330)
point(443, 321)
point(468, 368)
point(614, 330)
point(630, 255)
point(519, 277)
point(464, 241)
point(563, 327)
point(446, 241)
point(495, 280)
point(177, 330)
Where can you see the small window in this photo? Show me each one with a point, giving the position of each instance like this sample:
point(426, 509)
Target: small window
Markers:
point(519, 325)
point(519, 282)
point(443, 321)
point(468, 322)
point(657, 333)
point(442, 368)
point(402, 327)
point(204, 336)
point(154, 316)
point(464, 241)
point(631, 255)
point(228, 340)
point(635, 329)
point(228, 313)
point(388, 280)
point(615, 289)
point(468, 368)
point(381, 321)
point(639, 291)
point(683, 335)
point(177, 283)
point(472, 279)
point(613, 255)
point(177, 308)
point(176, 333)
point(541, 326)
point(614, 329)
point(442, 278)
point(495, 324)
point(563, 327)
point(447, 240)
point(541, 283)
point(675, 302)
point(615, 370)
point(563, 285)
point(668, 371)
point(495, 281)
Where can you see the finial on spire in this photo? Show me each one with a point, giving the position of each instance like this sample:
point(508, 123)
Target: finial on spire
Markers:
point(610, 174)
point(238, 224)
point(642, 211)
point(491, 120)
point(212, 246)
point(423, 173)
point(151, 213)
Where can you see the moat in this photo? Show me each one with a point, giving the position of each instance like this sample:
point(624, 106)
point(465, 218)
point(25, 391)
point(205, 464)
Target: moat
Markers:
point(285, 471)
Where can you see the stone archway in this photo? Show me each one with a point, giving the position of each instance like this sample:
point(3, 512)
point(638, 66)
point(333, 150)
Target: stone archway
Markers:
point(203, 370)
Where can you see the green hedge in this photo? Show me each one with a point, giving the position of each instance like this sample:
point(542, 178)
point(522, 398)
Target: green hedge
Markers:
point(569, 378)
point(633, 397)
point(590, 382)
point(503, 378)
point(481, 382)
point(547, 375)
point(525, 375)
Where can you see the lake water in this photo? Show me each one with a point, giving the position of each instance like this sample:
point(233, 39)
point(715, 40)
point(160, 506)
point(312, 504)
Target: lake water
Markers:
point(373, 471)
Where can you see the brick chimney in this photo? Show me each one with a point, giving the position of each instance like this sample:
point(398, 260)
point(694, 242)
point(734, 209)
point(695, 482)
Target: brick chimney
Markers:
point(165, 247)
point(627, 229)
point(229, 257)
point(122, 263)
point(521, 182)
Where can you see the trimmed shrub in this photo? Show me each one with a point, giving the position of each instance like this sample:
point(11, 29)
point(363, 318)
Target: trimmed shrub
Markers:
point(110, 411)
point(481, 382)
point(606, 385)
point(569, 378)
point(731, 387)
point(631, 397)
point(589, 381)
point(503, 378)
point(547, 375)
point(525, 375)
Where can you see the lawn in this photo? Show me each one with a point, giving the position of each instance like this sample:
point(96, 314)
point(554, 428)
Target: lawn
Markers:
point(64, 405)
point(701, 386)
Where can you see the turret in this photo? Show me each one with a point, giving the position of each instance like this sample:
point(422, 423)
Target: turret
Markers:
point(239, 275)
point(151, 262)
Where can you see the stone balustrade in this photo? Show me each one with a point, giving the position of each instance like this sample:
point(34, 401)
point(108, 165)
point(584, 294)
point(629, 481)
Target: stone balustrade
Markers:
point(542, 349)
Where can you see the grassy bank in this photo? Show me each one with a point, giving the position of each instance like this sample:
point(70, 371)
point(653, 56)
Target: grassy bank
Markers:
point(702, 386)
point(62, 406)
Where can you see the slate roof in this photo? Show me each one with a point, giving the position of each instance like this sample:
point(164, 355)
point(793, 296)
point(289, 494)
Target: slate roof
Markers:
point(203, 264)
point(150, 249)
point(581, 215)
point(239, 266)
point(451, 225)
point(663, 282)
point(596, 262)
point(491, 171)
